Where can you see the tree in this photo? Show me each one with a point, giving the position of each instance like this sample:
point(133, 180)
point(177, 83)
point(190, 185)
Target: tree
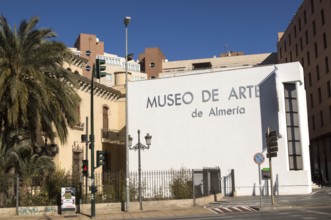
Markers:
point(17, 157)
point(36, 93)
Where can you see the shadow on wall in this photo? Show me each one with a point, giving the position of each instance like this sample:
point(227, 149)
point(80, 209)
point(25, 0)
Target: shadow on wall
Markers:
point(268, 105)
point(271, 59)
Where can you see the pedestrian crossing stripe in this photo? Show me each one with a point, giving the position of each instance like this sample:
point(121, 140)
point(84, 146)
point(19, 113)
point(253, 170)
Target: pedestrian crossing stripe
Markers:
point(224, 210)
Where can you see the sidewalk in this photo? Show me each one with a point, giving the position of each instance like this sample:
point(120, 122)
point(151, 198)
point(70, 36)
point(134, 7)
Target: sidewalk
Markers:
point(319, 197)
point(194, 211)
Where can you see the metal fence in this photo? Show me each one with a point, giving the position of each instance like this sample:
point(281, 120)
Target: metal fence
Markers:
point(228, 182)
point(41, 190)
point(155, 185)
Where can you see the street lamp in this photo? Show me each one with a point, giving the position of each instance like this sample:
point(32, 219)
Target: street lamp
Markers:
point(139, 147)
point(126, 23)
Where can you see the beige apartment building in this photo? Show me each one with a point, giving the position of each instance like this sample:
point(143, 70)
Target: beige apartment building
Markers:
point(90, 48)
point(109, 108)
point(307, 39)
point(154, 63)
point(109, 127)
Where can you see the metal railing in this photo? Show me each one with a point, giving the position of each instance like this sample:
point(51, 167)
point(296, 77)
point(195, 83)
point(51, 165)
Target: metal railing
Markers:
point(155, 185)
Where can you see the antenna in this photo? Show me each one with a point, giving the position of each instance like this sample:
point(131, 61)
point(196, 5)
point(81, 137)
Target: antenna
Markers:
point(226, 48)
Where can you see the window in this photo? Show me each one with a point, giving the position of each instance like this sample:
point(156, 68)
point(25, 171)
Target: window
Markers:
point(301, 45)
point(205, 65)
point(289, 40)
point(330, 114)
point(306, 35)
point(309, 77)
point(312, 6)
point(291, 58)
point(329, 89)
point(305, 17)
point(302, 62)
point(308, 58)
point(285, 45)
point(318, 72)
point(313, 122)
point(77, 157)
point(325, 44)
point(280, 53)
point(105, 113)
point(316, 50)
point(79, 125)
point(296, 50)
point(299, 24)
point(322, 17)
point(322, 118)
point(78, 112)
point(311, 101)
point(293, 127)
point(327, 65)
point(314, 28)
point(295, 31)
point(319, 95)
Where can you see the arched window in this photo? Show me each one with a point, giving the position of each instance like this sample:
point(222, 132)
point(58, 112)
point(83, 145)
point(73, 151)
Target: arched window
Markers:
point(78, 113)
point(105, 112)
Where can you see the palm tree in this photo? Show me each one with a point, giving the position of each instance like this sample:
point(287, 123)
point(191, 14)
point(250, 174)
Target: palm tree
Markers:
point(17, 157)
point(36, 92)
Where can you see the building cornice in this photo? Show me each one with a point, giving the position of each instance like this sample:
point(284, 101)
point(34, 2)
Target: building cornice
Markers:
point(99, 89)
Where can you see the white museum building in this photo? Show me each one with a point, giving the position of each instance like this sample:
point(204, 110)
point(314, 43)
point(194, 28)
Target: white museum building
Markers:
point(219, 118)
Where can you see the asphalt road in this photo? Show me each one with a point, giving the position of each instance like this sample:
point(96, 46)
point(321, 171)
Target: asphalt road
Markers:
point(319, 213)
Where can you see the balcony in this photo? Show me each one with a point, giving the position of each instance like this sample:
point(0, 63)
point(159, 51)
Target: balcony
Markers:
point(113, 136)
point(79, 126)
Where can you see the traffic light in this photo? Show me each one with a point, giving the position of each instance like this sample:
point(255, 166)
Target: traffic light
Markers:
point(99, 68)
point(272, 144)
point(100, 158)
point(85, 167)
point(129, 57)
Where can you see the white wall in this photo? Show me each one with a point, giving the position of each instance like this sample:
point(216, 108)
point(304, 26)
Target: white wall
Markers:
point(183, 139)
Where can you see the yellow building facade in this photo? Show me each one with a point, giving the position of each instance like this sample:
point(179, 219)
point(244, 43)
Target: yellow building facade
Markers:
point(109, 125)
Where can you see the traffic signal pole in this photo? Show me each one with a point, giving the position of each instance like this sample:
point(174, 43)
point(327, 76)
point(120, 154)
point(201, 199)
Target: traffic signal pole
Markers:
point(271, 183)
point(96, 72)
point(272, 152)
point(86, 156)
point(92, 146)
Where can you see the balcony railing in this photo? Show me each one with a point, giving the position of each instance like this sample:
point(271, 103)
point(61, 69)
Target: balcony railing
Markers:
point(113, 136)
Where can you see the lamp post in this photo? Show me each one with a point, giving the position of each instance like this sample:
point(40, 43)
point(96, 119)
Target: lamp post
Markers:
point(139, 147)
point(126, 23)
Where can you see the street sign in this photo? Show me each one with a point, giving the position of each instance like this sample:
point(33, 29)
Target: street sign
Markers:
point(258, 158)
point(88, 53)
point(266, 174)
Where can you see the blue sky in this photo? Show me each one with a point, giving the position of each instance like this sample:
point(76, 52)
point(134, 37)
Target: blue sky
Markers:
point(182, 29)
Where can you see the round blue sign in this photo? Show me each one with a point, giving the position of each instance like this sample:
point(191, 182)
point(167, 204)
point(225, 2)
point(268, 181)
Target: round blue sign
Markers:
point(258, 158)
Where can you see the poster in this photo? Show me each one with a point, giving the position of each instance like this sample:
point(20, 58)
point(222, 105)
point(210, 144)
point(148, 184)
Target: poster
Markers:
point(68, 198)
